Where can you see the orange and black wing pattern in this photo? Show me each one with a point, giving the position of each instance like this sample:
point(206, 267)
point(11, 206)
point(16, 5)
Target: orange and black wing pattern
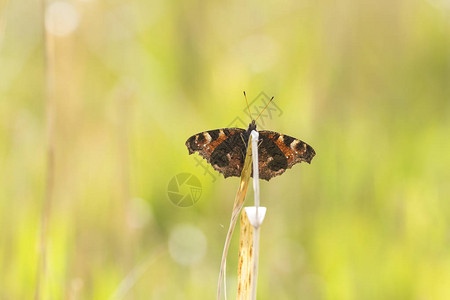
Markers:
point(223, 148)
point(278, 152)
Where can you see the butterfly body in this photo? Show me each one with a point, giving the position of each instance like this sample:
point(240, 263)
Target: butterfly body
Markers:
point(225, 150)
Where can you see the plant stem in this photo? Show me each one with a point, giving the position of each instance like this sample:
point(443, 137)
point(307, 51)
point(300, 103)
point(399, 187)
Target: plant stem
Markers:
point(49, 76)
point(238, 204)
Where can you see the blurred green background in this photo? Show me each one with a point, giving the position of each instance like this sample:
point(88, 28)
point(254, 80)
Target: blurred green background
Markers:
point(366, 83)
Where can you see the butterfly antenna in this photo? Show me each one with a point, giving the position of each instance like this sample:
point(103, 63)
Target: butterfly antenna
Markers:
point(249, 113)
point(264, 108)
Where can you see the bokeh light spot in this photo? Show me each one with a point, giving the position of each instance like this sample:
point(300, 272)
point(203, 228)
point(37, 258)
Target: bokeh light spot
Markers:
point(61, 18)
point(139, 213)
point(187, 244)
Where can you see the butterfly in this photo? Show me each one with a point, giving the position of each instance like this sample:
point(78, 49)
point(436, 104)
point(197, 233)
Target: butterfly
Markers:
point(225, 150)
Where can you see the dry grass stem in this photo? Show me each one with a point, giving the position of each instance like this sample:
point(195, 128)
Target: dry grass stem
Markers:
point(257, 222)
point(49, 70)
point(238, 204)
point(3, 19)
point(245, 265)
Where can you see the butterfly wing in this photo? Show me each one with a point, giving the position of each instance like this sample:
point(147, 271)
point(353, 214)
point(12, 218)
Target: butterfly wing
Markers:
point(278, 152)
point(223, 148)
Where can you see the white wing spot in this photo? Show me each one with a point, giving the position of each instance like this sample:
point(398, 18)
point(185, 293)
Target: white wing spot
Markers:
point(207, 137)
point(293, 144)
